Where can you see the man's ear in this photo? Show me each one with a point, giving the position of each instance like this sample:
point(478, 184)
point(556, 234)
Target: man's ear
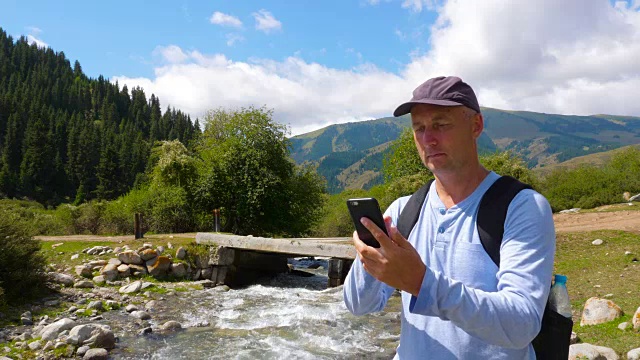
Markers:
point(478, 125)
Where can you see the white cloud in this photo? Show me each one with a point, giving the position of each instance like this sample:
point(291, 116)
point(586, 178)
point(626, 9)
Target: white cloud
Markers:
point(219, 18)
point(172, 54)
point(233, 38)
point(570, 57)
point(266, 22)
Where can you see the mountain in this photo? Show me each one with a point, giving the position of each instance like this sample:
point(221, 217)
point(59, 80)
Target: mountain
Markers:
point(350, 155)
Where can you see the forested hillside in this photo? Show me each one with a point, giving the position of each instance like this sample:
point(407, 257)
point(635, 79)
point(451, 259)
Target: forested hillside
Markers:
point(67, 137)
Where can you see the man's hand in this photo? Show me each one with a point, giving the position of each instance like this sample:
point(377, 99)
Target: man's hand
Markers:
point(396, 262)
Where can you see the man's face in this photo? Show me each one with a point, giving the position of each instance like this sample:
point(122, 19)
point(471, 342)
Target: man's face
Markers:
point(446, 136)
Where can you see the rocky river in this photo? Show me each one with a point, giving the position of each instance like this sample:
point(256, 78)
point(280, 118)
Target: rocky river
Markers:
point(291, 316)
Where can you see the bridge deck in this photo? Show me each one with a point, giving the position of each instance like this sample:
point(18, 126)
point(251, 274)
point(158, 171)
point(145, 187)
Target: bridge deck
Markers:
point(327, 247)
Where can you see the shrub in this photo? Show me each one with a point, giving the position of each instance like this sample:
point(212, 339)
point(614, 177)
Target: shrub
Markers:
point(170, 210)
point(21, 262)
point(118, 214)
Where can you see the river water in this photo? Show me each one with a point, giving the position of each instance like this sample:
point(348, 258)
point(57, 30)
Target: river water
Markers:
point(287, 317)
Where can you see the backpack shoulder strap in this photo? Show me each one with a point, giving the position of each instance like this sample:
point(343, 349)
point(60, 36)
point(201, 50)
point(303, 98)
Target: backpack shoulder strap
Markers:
point(411, 211)
point(492, 213)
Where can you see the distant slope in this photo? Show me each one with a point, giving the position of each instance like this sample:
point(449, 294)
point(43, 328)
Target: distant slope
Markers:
point(596, 159)
point(350, 155)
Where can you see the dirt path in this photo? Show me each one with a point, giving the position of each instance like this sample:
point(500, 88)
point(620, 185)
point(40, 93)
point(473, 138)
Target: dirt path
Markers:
point(627, 220)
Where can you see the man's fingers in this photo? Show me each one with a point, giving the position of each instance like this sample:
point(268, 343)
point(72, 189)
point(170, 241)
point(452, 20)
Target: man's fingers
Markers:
point(365, 251)
point(395, 235)
point(377, 233)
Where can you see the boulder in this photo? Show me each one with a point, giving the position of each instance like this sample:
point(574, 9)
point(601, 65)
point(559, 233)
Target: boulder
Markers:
point(51, 331)
point(95, 305)
point(97, 263)
point(83, 284)
point(634, 354)
point(598, 311)
point(158, 266)
point(160, 249)
point(171, 325)
point(635, 198)
point(84, 271)
point(99, 280)
point(178, 270)
point(636, 320)
point(110, 272)
point(584, 351)
point(96, 354)
point(124, 270)
point(148, 254)
point(138, 270)
point(131, 288)
point(60, 278)
point(130, 257)
point(131, 308)
point(181, 253)
point(142, 315)
point(94, 335)
point(35, 345)
point(115, 261)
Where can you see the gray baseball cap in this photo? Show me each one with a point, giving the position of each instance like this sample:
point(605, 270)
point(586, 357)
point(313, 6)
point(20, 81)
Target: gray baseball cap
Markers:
point(444, 91)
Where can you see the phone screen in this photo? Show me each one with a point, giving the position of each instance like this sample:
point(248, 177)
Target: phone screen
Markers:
point(369, 208)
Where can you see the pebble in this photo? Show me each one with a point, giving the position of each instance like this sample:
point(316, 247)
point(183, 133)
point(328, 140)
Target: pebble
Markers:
point(597, 242)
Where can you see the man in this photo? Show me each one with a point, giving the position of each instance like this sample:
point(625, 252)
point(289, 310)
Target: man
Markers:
point(456, 302)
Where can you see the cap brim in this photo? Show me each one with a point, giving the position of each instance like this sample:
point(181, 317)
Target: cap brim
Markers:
point(406, 107)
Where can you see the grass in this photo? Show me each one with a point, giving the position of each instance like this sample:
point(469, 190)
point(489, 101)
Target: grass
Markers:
point(596, 271)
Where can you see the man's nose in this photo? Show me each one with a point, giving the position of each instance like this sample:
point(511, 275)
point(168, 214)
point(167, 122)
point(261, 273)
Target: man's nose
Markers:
point(429, 138)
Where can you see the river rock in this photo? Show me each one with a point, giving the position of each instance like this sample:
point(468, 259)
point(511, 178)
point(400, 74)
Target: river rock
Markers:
point(82, 350)
point(86, 284)
point(95, 305)
point(124, 270)
point(181, 253)
point(160, 249)
point(597, 242)
point(131, 288)
point(178, 270)
point(60, 278)
point(35, 345)
point(171, 325)
point(634, 354)
point(96, 354)
point(48, 346)
point(99, 280)
point(158, 266)
point(584, 351)
point(624, 326)
point(114, 261)
point(110, 272)
point(131, 308)
point(83, 270)
point(93, 263)
point(598, 311)
point(51, 331)
point(148, 254)
point(142, 315)
point(138, 270)
point(147, 330)
point(93, 335)
point(130, 257)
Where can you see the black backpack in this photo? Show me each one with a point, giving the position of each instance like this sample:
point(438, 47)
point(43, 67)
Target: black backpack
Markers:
point(553, 340)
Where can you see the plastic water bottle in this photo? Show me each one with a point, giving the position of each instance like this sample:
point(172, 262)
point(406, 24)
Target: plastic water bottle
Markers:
point(559, 296)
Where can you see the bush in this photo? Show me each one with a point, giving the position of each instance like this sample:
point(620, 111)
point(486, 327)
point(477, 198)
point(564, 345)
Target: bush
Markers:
point(21, 263)
point(118, 214)
point(170, 210)
point(35, 218)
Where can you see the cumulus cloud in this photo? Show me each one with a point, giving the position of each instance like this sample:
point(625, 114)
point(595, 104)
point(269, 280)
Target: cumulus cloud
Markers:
point(266, 22)
point(569, 57)
point(223, 19)
point(172, 54)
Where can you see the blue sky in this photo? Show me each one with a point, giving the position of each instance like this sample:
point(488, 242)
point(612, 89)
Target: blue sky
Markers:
point(115, 38)
point(322, 62)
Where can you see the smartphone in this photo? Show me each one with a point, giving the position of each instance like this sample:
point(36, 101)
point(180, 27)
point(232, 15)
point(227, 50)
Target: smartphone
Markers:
point(369, 208)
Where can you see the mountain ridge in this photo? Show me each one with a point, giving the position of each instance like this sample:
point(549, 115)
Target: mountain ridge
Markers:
point(342, 151)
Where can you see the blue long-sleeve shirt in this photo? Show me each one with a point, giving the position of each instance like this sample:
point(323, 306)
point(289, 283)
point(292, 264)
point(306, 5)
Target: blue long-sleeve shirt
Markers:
point(467, 307)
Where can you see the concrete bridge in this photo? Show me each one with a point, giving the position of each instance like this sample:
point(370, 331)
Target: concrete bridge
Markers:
point(238, 259)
